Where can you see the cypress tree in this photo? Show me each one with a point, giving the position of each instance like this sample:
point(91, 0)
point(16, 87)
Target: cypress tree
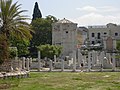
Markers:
point(36, 12)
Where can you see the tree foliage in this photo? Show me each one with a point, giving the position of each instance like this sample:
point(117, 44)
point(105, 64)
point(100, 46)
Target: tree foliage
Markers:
point(36, 12)
point(43, 30)
point(49, 50)
point(43, 34)
point(22, 46)
point(13, 24)
point(51, 18)
point(13, 52)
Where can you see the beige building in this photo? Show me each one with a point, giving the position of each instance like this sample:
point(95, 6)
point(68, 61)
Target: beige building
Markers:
point(104, 35)
point(64, 33)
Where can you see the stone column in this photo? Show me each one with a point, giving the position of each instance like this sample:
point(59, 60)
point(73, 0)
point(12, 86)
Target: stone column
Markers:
point(23, 63)
point(93, 58)
point(27, 64)
point(89, 61)
point(113, 61)
point(50, 65)
point(74, 61)
point(55, 58)
point(62, 64)
point(97, 59)
point(96, 54)
point(79, 58)
point(102, 55)
point(39, 59)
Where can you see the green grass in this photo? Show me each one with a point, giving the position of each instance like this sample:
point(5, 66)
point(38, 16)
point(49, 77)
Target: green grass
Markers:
point(64, 81)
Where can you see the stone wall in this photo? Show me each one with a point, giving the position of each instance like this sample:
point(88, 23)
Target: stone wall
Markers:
point(16, 64)
point(13, 65)
point(5, 66)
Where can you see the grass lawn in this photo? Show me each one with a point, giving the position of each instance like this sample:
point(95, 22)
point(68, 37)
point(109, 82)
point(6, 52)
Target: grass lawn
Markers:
point(64, 81)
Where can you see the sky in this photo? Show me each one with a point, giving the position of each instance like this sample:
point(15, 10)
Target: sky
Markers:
point(83, 12)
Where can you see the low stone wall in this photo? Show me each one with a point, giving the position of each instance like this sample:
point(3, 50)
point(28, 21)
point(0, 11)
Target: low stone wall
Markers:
point(16, 64)
point(34, 65)
point(5, 66)
point(12, 65)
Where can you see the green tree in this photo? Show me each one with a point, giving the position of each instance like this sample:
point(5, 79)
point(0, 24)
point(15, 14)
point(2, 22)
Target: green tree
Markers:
point(51, 18)
point(49, 50)
point(13, 52)
point(43, 32)
point(22, 46)
point(12, 24)
point(36, 12)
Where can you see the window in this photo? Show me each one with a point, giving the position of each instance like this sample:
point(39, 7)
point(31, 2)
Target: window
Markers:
point(93, 42)
point(66, 31)
point(105, 33)
point(98, 35)
point(93, 35)
point(116, 34)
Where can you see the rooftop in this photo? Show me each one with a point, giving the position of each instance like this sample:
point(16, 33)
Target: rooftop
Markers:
point(64, 21)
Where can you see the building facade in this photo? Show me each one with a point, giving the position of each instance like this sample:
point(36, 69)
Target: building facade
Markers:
point(64, 33)
point(104, 35)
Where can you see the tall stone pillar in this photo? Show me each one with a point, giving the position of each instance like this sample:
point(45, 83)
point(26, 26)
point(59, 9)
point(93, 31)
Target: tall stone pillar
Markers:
point(93, 57)
point(79, 58)
point(55, 58)
point(50, 65)
point(96, 54)
point(74, 60)
point(89, 61)
point(102, 55)
point(23, 63)
point(113, 61)
point(62, 64)
point(30, 62)
point(27, 64)
point(39, 59)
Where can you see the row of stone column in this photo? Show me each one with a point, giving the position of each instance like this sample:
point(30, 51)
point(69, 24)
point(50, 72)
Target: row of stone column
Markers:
point(94, 58)
point(102, 58)
point(26, 63)
point(62, 65)
point(80, 60)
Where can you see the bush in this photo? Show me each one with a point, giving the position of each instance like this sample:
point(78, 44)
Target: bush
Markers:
point(49, 50)
point(13, 52)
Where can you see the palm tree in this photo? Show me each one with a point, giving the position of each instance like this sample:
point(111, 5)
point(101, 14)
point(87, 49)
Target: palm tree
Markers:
point(12, 24)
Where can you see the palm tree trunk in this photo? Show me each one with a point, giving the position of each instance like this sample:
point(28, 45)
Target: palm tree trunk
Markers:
point(4, 48)
point(4, 59)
